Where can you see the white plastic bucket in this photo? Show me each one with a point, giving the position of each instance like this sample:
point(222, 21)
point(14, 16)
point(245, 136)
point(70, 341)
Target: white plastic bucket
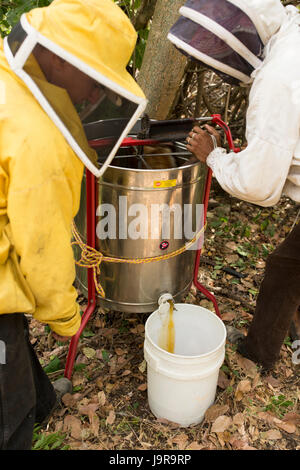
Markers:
point(182, 386)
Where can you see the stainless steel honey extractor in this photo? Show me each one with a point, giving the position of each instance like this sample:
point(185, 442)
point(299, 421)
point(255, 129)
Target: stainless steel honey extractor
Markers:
point(136, 287)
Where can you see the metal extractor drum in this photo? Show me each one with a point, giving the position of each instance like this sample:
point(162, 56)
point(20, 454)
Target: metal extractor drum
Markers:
point(139, 213)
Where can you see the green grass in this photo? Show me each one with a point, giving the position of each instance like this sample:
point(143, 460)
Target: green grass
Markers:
point(279, 405)
point(53, 441)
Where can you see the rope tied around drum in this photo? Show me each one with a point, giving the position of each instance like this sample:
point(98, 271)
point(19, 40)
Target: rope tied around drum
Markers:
point(92, 258)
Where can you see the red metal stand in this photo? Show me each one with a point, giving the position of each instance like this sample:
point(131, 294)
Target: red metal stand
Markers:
point(216, 119)
point(91, 241)
point(197, 284)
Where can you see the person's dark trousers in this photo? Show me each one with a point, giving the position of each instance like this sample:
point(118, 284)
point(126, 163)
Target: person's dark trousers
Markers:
point(26, 393)
point(277, 302)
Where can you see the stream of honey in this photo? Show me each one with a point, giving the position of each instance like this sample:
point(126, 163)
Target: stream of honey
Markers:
point(167, 333)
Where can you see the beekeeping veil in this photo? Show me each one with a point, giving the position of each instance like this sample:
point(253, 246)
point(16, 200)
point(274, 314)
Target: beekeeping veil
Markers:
point(97, 39)
point(228, 36)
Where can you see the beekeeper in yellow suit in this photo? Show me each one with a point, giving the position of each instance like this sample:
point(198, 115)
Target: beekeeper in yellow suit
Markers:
point(60, 66)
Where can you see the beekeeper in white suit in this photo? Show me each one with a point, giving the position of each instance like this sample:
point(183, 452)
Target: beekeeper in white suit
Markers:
point(255, 42)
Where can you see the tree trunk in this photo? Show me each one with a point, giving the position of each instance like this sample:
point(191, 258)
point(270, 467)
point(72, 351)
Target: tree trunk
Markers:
point(163, 66)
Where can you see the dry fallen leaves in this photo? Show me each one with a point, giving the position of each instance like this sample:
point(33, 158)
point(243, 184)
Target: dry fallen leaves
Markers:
point(238, 419)
point(228, 316)
point(272, 435)
point(249, 367)
point(78, 379)
point(73, 425)
point(241, 444)
point(89, 352)
point(215, 411)
point(243, 387)
point(95, 425)
point(120, 352)
point(292, 418)
point(231, 246)
point(288, 427)
point(69, 400)
point(223, 437)
point(181, 441)
point(99, 383)
point(266, 416)
point(109, 387)
point(194, 446)
point(238, 444)
point(139, 329)
point(275, 383)
point(142, 387)
point(143, 366)
point(260, 264)
point(170, 424)
point(231, 258)
point(101, 398)
point(221, 424)
point(89, 409)
point(223, 380)
point(111, 417)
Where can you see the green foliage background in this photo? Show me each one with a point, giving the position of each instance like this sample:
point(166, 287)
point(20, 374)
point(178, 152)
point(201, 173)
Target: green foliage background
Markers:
point(11, 10)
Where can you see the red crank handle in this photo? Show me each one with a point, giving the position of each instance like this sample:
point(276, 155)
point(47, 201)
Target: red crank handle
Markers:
point(216, 119)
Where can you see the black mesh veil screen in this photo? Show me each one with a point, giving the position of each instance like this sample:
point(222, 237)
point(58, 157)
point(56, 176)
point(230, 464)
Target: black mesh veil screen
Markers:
point(231, 18)
point(16, 38)
point(206, 42)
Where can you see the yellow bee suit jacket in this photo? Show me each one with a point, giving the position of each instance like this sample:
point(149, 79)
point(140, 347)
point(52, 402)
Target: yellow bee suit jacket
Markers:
point(40, 182)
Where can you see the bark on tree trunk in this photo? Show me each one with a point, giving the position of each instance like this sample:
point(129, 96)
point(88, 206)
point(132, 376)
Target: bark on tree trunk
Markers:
point(163, 66)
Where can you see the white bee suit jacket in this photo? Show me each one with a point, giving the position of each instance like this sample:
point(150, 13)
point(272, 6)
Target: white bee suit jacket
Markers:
point(270, 165)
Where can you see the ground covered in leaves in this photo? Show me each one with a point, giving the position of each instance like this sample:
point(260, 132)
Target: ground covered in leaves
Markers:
point(108, 408)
